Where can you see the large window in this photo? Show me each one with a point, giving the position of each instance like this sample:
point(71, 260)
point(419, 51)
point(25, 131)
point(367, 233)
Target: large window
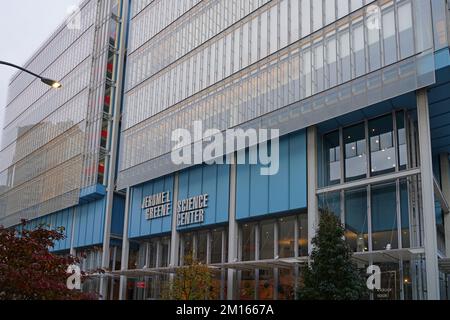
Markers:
point(385, 138)
point(356, 220)
point(384, 217)
point(382, 149)
point(202, 242)
point(205, 246)
point(376, 216)
point(332, 154)
point(286, 237)
point(355, 152)
point(266, 243)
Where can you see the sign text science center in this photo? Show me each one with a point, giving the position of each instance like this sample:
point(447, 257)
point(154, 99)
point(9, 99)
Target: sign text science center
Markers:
point(189, 211)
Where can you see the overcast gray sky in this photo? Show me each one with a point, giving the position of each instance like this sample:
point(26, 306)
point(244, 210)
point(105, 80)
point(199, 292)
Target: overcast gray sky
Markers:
point(24, 25)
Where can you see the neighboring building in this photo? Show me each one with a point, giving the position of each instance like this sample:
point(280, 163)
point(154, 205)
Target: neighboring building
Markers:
point(360, 91)
point(56, 146)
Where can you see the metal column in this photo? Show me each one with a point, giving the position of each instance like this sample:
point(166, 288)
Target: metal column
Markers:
point(125, 247)
point(427, 184)
point(313, 213)
point(175, 237)
point(232, 232)
point(445, 184)
point(114, 138)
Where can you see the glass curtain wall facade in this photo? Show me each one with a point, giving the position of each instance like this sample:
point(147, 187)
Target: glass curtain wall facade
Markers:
point(226, 63)
point(54, 155)
point(320, 71)
point(290, 65)
point(43, 134)
point(385, 215)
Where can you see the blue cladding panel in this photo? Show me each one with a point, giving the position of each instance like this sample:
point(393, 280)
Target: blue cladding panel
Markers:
point(138, 225)
point(213, 180)
point(55, 220)
point(118, 215)
point(89, 223)
point(259, 195)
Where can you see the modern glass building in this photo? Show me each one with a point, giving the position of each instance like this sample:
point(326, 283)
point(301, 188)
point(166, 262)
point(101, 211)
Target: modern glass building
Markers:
point(359, 91)
point(57, 146)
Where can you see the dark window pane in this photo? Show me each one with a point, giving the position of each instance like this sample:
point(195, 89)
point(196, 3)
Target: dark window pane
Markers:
point(355, 152)
point(384, 217)
point(356, 225)
point(248, 242)
point(266, 241)
point(286, 239)
point(382, 156)
point(202, 239)
point(404, 207)
point(303, 235)
point(216, 246)
point(402, 148)
point(332, 164)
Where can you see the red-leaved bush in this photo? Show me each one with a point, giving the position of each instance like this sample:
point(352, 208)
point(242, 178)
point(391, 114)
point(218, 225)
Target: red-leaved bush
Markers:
point(29, 271)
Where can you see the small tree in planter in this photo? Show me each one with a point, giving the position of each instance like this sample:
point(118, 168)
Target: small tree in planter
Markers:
point(331, 275)
point(193, 281)
point(28, 271)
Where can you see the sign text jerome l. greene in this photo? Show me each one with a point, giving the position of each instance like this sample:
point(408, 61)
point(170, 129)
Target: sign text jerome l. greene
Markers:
point(191, 210)
point(157, 205)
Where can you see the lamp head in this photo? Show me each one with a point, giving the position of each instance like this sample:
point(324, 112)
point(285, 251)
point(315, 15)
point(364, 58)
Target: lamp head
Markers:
point(52, 83)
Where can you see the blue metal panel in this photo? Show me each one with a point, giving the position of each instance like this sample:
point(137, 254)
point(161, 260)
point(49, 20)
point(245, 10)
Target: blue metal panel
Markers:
point(213, 180)
point(278, 188)
point(298, 171)
point(118, 215)
point(259, 195)
point(56, 220)
point(138, 225)
point(89, 223)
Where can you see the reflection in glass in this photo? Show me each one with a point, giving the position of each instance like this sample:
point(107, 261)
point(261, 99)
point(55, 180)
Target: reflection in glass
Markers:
point(359, 59)
point(355, 152)
point(401, 136)
point(303, 235)
point(332, 155)
point(248, 242)
point(406, 33)
point(344, 55)
point(286, 239)
point(384, 217)
point(202, 239)
point(247, 285)
point(382, 150)
point(187, 245)
point(165, 250)
point(389, 41)
point(373, 39)
point(404, 212)
point(356, 225)
point(152, 254)
point(266, 284)
point(286, 279)
point(331, 202)
point(216, 246)
point(266, 249)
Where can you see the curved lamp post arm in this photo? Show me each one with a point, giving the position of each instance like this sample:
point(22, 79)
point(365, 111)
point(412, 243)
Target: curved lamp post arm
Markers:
point(49, 82)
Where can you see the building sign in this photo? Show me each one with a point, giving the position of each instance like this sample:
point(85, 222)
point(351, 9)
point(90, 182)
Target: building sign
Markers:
point(192, 210)
point(157, 205)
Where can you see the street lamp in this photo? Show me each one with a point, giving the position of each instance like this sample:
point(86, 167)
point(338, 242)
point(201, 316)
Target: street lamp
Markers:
point(52, 83)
